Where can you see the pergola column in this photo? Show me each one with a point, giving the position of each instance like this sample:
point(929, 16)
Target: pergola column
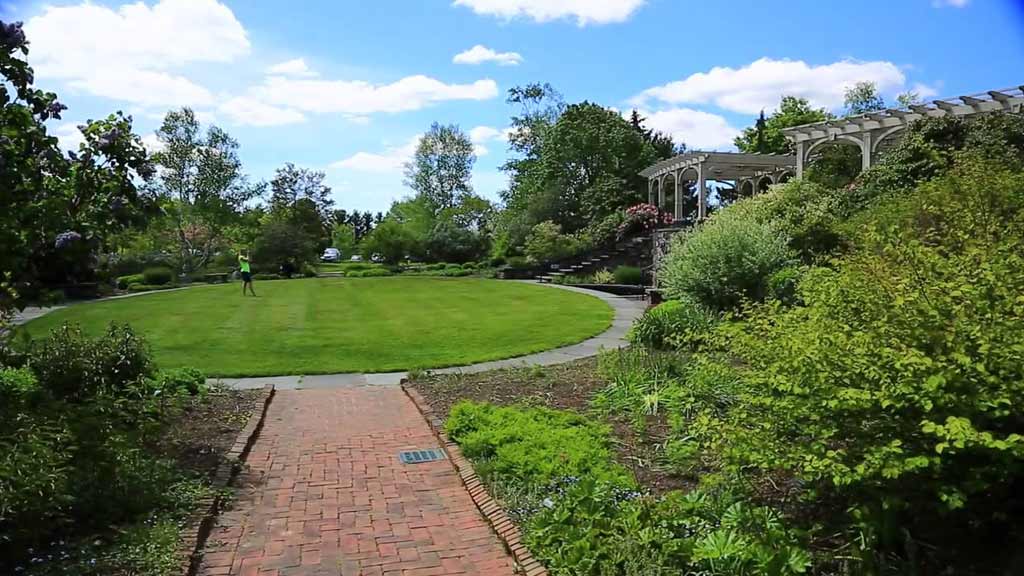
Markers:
point(677, 212)
point(650, 190)
point(865, 151)
point(799, 159)
point(702, 193)
point(661, 192)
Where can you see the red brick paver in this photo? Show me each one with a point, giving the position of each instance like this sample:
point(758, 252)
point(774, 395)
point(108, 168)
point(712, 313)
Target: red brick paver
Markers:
point(325, 494)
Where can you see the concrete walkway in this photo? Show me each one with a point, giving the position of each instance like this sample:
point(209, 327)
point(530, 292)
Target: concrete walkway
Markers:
point(627, 309)
point(326, 494)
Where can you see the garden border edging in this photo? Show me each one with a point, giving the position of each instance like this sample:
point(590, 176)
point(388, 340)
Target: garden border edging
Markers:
point(492, 512)
point(200, 522)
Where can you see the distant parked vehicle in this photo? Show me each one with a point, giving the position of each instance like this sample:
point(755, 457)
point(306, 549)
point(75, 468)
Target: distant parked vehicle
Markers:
point(331, 255)
point(376, 258)
point(356, 258)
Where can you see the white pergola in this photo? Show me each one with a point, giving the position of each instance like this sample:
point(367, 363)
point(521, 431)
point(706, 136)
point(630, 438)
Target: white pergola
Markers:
point(872, 131)
point(756, 171)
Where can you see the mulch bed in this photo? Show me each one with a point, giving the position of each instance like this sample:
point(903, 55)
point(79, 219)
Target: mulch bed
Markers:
point(200, 437)
point(567, 386)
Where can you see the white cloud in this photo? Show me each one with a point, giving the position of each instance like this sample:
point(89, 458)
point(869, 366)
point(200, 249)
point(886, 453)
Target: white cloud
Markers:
point(479, 54)
point(144, 87)
point(129, 54)
point(699, 130)
point(390, 161)
point(481, 135)
point(484, 133)
point(296, 67)
point(761, 84)
point(924, 90)
point(251, 112)
point(358, 98)
point(152, 143)
point(69, 136)
point(584, 11)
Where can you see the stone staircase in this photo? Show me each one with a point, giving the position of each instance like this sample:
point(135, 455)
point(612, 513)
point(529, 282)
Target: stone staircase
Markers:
point(635, 251)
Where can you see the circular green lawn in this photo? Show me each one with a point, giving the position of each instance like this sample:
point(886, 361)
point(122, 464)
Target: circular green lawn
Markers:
point(330, 325)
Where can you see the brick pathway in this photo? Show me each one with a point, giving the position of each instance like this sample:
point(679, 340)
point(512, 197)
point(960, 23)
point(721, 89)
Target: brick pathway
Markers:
point(326, 495)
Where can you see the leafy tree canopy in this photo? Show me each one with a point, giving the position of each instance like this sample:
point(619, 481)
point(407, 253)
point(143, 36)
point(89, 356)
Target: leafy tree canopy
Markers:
point(59, 210)
point(765, 136)
point(201, 184)
point(441, 169)
point(863, 97)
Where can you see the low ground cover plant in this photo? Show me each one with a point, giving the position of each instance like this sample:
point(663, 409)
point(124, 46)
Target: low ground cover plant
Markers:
point(584, 514)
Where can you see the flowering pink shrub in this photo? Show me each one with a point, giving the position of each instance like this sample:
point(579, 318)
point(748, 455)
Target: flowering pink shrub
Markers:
point(643, 217)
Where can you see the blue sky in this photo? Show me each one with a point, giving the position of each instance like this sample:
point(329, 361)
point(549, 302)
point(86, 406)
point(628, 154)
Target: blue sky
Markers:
point(346, 87)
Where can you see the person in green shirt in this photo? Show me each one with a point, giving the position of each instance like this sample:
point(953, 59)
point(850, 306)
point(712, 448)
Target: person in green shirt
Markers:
point(243, 265)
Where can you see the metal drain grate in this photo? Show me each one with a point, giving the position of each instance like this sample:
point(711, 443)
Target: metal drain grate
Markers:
point(420, 456)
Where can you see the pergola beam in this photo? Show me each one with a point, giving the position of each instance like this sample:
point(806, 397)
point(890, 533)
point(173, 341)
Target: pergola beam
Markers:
point(869, 130)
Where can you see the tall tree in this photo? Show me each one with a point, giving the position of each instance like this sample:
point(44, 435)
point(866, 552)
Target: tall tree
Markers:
point(442, 166)
point(539, 107)
point(765, 136)
point(590, 162)
point(291, 183)
point(662, 143)
point(863, 97)
point(908, 99)
point(201, 184)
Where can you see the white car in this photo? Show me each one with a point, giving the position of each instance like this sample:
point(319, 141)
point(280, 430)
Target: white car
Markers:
point(356, 258)
point(331, 255)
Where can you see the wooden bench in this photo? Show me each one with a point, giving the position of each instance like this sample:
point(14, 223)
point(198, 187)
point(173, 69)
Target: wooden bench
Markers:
point(216, 278)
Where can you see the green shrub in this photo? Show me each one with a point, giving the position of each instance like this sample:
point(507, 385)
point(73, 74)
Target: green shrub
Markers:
point(124, 282)
point(370, 273)
point(455, 272)
point(726, 259)
point(182, 380)
point(629, 275)
point(308, 271)
point(891, 387)
point(497, 261)
point(606, 230)
point(547, 243)
point(77, 416)
point(469, 266)
point(603, 276)
point(808, 214)
point(519, 262)
point(268, 276)
point(72, 366)
point(533, 445)
point(357, 266)
point(684, 323)
point(148, 287)
point(157, 276)
point(782, 285)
